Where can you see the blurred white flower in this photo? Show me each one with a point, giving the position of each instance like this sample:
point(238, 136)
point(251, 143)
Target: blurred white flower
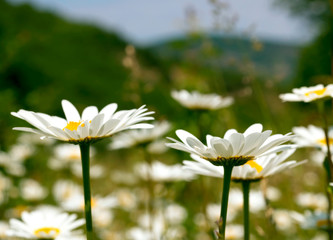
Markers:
point(196, 100)
point(160, 172)
point(313, 201)
point(312, 136)
point(273, 194)
point(159, 226)
point(150, 227)
point(127, 199)
point(140, 136)
point(96, 170)
point(65, 189)
point(14, 159)
point(318, 157)
point(175, 214)
point(157, 147)
point(213, 210)
point(235, 148)
point(234, 231)
point(270, 164)
point(257, 203)
point(4, 227)
point(5, 186)
point(70, 197)
point(65, 155)
point(308, 94)
point(45, 224)
point(91, 126)
point(284, 220)
point(32, 190)
point(20, 152)
point(313, 220)
point(123, 177)
point(32, 139)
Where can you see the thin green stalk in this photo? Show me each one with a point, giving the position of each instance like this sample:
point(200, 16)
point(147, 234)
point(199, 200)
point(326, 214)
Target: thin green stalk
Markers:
point(85, 148)
point(246, 209)
point(328, 164)
point(224, 202)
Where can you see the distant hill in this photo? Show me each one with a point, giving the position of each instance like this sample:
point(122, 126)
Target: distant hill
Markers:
point(44, 59)
point(232, 53)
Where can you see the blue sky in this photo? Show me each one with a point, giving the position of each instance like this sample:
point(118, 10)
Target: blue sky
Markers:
point(146, 21)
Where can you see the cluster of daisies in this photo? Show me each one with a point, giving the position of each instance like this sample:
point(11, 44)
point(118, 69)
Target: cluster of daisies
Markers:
point(253, 155)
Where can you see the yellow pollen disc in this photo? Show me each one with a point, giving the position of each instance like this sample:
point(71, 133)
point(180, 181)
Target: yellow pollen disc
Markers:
point(47, 232)
point(255, 165)
point(73, 125)
point(317, 92)
point(323, 141)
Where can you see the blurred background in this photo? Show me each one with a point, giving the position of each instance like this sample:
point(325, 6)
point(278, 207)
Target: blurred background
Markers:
point(137, 52)
point(79, 50)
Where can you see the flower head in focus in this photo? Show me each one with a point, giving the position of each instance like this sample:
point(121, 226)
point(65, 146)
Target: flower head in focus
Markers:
point(312, 136)
point(234, 148)
point(308, 94)
point(91, 126)
point(196, 100)
point(270, 164)
point(45, 224)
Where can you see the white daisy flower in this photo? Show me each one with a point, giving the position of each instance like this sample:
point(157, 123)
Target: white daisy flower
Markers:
point(257, 204)
point(266, 166)
point(235, 148)
point(234, 231)
point(101, 206)
point(45, 224)
point(92, 125)
point(196, 100)
point(308, 94)
point(284, 220)
point(5, 186)
point(313, 201)
point(63, 190)
point(175, 214)
point(160, 172)
point(32, 190)
point(312, 136)
point(96, 170)
point(4, 227)
point(140, 136)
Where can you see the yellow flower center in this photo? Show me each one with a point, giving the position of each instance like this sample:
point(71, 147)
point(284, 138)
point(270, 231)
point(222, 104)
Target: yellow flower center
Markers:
point(255, 165)
point(317, 92)
point(50, 232)
point(73, 125)
point(323, 141)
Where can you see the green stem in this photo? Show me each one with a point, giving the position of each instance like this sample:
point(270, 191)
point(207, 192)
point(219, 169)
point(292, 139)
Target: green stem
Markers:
point(328, 167)
point(246, 209)
point(224, 202)
point(85, 147)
